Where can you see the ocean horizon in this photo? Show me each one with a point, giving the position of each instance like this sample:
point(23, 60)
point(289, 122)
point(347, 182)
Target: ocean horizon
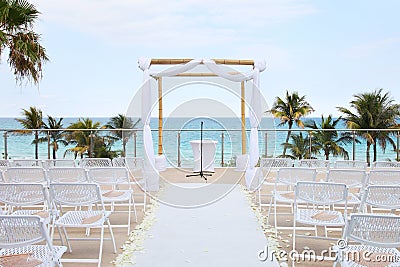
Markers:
point(20, 146)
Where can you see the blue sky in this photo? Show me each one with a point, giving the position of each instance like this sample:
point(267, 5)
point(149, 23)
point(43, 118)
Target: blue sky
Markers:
point(326, 50)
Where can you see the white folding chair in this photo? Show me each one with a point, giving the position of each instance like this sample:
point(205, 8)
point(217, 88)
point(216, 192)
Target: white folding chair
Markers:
point(55, 163)
point(20, 235)
point(383, 177)
point(4, 164)
point(355, 179)
point(379, 238)
point(1, 177)
point(313, 205)
point(135, 166)
point(110, 179)
point(26, 199)
point(26, 163)
point(78, 195)
point(288, 177)
point(67, 175)
point(269, 168)
point(118, 162)
point(25, 175)
point(87, 163)
point(391, 165)
point(350, 164)
point(386, 197)
point(322, 167)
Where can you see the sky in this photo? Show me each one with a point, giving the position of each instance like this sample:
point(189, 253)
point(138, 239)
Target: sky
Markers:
point(326, 50)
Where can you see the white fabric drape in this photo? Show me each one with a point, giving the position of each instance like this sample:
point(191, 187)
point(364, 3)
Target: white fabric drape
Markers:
point(144, 65)
point(255, 112)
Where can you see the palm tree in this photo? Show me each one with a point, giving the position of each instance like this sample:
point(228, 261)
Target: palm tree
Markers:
point(56, 136)
point(290, 110)
point(373, 110)
point(122, 122)
point(81, 139)
point(26, 55)
point(33, 119)
point(329, 140)
point(300, 147)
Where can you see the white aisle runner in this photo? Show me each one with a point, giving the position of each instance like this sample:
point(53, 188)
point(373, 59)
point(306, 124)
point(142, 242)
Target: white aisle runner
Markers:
point(224, 233)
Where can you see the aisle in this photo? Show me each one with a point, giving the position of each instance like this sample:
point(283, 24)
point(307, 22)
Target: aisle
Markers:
point(224, 233)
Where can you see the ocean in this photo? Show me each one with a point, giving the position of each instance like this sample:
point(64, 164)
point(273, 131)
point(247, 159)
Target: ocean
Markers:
point(20, 146)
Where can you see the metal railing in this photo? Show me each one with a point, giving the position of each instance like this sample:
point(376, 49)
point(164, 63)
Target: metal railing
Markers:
point(269, 139)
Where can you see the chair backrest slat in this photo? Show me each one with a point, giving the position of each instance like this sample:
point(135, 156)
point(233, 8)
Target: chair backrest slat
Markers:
point(4, 164)
point(22, 230)
point(374, 230)
point(135, 165)
point(276, 162)
point(95, 162)
point(350, 164)
point(55, 163)
point(292, 175)
point(108, 175)
point(319, 164)
point(383, 177)
point(67, 175)
point(382, 196)
point(75, 194)
point(23, 194)
point(355, 178)
point(26, 163)
point(25, 175)
point(321, 193)
point(386, 165)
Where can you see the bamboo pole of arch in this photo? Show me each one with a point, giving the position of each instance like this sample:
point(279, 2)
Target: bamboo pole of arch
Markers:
point(243, 117)
point(160, 116)
point(174, 61)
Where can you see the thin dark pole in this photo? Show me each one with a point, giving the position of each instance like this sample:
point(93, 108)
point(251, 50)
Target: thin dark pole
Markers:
point(201, 173)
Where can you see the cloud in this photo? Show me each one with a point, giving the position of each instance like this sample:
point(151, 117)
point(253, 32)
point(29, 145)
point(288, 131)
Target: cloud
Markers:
point(194, 22)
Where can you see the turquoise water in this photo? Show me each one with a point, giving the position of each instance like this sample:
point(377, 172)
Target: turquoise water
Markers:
point(19, 146)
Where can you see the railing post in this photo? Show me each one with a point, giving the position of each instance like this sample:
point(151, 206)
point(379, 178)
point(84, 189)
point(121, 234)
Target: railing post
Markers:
point(222, 149)
point(398, 143)
point(48, 145)
point(179, 149)
point(5, 145)
point(310, 143)
point(91, 146)
point(135, 144)
point(266, 144)
point(354, 145)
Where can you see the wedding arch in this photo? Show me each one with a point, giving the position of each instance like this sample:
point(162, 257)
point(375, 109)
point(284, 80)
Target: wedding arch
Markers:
point(215, 68)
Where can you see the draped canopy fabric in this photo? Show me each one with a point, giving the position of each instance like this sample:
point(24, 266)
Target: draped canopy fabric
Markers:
point(255, 111)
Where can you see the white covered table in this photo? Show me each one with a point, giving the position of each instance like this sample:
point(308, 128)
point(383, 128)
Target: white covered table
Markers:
point(209, 147)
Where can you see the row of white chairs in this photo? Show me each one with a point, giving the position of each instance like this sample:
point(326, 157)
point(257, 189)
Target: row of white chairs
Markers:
point(354, 178)
point(67, 205)
point(60, 174)
point(113, 176)
point(117, 186)
point(326, 164)
point(131, 162)
point(314, 205)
